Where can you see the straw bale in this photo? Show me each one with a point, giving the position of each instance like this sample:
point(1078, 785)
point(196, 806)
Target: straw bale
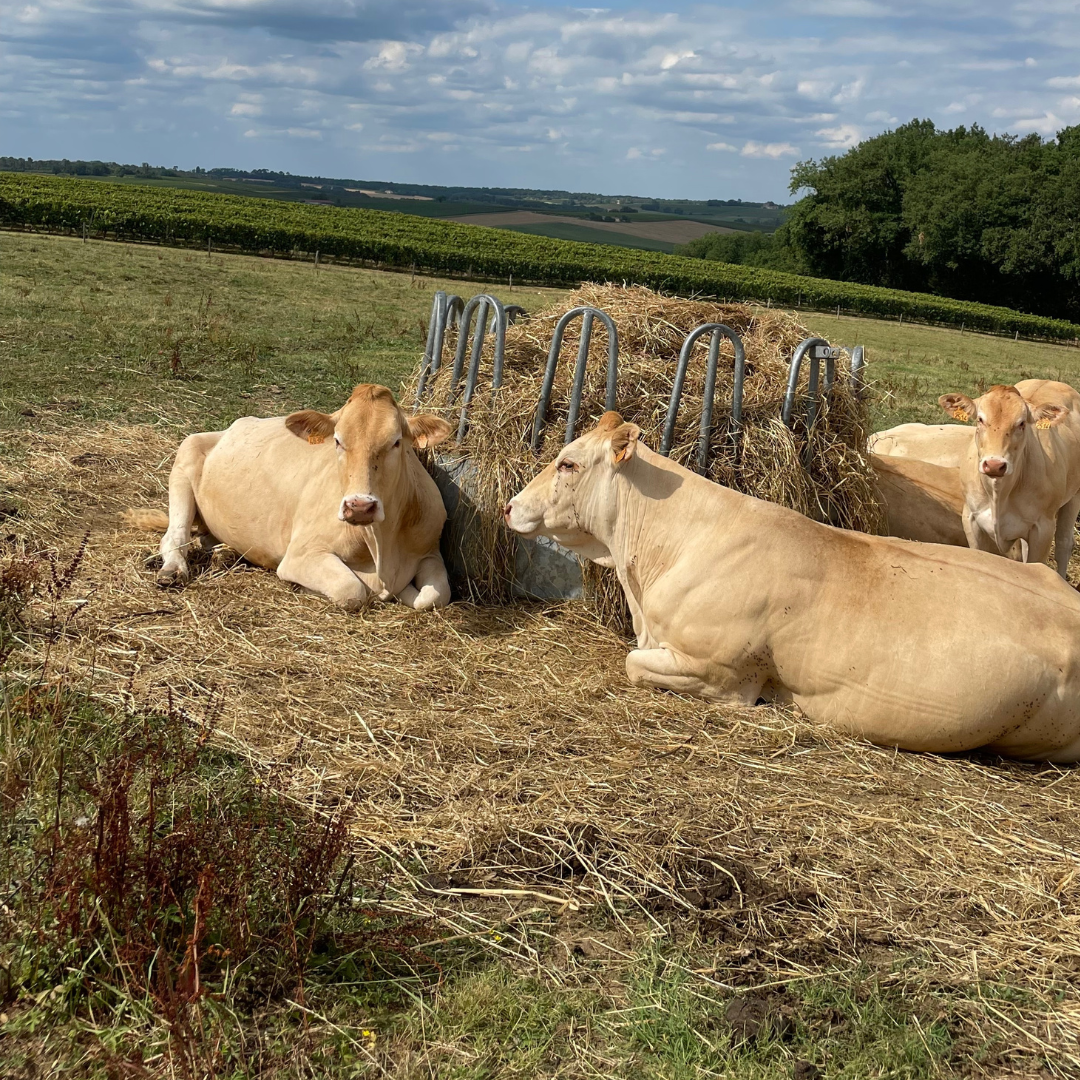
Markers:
point(497, 761)
point(837, 486)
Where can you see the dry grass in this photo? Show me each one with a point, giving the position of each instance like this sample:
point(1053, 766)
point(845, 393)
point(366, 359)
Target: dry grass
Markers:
point(502, 749)
point(836, 487)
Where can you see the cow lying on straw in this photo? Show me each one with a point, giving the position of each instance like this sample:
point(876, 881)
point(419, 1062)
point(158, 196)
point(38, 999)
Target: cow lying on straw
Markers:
point(919, 646)
point(338, 504)
point(939, 444)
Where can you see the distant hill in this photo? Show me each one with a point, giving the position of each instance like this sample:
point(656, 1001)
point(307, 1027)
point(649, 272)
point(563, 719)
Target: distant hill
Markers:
point(431, 200)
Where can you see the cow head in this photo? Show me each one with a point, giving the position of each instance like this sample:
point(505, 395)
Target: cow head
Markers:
point(1003, 421)
point(570, 498)
point(373, 438)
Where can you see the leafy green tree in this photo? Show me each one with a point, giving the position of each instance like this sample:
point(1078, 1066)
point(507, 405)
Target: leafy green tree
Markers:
point(958, 213)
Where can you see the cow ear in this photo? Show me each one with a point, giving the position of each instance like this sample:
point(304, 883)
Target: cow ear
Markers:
point(308, 424)
point(609, 421)
point(958, 406)
point(624, 443)
point(426, 430)
point(1048, 415)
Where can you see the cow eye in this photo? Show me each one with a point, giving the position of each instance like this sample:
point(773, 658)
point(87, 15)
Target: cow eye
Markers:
point(338, 443)
point(566, 466)
point(397, 444)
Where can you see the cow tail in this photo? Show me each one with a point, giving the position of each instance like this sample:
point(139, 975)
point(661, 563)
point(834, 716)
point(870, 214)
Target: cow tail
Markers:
point(145, 519)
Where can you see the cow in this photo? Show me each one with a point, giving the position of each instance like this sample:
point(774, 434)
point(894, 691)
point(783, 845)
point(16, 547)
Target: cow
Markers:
point(338, 504)
point(923, 502)
point(939, 444)
point(736, 600)
point(1021, 473)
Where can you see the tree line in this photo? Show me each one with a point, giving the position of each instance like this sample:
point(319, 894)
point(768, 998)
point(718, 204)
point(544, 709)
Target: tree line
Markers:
point(959, 213)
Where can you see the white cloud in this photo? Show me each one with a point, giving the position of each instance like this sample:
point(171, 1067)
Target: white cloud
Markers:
point(815, 88)
point(839, 138)
point(672, 58)
point(394, 55)
point(851, 91)
point(244, 108)
point(721, 146)
point(769, 150)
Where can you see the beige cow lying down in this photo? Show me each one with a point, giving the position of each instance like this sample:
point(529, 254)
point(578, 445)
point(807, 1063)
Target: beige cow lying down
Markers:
point(338, 504)
point(938, 444)
point(923, 502)
point(918, 646)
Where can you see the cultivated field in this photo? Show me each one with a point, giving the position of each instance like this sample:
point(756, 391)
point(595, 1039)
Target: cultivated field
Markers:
point(666, 234)
point(552, 873)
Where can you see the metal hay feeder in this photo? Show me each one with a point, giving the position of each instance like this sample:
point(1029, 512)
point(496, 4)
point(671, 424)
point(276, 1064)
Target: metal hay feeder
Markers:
point(542, 569)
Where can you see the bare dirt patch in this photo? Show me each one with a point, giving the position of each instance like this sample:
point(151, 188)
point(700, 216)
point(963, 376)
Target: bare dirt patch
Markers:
point(497, 757)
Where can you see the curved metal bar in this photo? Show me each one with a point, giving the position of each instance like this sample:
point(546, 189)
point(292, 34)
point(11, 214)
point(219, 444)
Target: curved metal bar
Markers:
point(718, 332)
point(434, 344)
point(454, 307)
point(588, 314)
point(485, 304)
point(464, 328)
point(858, 362)
point(819, 349)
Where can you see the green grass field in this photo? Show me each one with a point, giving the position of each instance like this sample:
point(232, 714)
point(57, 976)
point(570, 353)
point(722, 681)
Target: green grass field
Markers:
point(912, 366)
point(326, 982)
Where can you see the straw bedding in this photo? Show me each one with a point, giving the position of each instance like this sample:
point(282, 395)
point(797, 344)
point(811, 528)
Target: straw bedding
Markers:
point(494, 749)
point(837, 486)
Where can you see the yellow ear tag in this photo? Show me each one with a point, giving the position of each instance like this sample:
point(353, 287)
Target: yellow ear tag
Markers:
point(316, 439)
point(1043, 424)
point(959, 414)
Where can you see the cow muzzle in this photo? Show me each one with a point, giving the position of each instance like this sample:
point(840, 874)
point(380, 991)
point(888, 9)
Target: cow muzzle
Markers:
point(993, 467)
point(361, 510)
point(519, 520)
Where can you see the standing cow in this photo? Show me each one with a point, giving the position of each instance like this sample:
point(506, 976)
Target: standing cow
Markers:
point(1021, 472)
point(339, 504)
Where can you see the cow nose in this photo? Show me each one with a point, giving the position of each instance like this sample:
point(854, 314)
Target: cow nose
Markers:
point(359, 509)
point(508, 509)
point(994, 467)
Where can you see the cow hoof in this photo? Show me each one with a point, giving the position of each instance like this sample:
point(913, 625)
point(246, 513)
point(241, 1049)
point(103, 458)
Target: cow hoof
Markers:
point(429, 597)
point(352, 603)
point(175, 575)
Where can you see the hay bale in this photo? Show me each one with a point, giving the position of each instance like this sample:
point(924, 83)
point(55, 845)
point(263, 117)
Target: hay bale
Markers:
point(838, 486)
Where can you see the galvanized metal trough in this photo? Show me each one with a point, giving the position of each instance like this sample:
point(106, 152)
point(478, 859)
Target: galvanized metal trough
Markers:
point(543, 570)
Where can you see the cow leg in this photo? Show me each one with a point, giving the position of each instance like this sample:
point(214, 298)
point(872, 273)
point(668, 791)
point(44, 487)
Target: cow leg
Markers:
point(323, 572)
point(978, 538)
point(1038, 542)
point(430, 588)
point(668, 670)
point(1065, 534)
point(183, 512)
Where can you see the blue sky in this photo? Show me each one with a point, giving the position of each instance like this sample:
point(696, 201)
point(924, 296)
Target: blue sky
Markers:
point(653, 98)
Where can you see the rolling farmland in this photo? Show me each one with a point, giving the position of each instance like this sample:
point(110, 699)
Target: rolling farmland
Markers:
point(398, 240)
